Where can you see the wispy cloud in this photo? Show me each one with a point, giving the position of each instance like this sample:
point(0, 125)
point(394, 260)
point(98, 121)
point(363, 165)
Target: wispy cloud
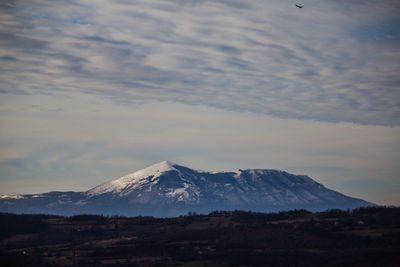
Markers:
point(265, 57)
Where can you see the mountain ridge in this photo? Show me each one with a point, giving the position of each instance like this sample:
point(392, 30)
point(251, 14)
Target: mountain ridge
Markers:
point(169, 189)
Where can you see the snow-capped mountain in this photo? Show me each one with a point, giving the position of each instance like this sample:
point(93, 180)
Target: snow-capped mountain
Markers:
point(168, 189)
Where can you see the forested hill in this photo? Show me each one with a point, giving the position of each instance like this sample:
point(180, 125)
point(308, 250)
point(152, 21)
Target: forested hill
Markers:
point(362, 237)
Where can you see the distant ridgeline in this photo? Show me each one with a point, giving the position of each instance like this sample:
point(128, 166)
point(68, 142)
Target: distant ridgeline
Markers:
point(166, 189)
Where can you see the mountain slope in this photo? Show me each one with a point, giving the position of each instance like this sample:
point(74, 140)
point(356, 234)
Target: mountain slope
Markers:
point(168, 189)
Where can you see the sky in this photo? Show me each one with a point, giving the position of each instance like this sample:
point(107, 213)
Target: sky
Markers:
point(93, 90)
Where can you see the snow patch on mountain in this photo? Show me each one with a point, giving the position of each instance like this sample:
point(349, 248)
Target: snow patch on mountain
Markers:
point(11, 197)
point(180, 193)
point(129, 182)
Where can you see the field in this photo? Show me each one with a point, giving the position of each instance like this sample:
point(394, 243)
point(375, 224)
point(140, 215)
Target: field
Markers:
point(362, 237)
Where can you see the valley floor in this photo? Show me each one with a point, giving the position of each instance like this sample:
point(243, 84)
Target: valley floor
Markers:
point(362, 237)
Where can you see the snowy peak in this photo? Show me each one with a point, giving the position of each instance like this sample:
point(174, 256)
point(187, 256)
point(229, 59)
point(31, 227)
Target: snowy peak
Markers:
point(154, 170)
point(133, 180)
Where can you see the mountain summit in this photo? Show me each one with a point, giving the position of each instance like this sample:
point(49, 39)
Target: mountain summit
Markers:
point(168, 189)
point(127, 183)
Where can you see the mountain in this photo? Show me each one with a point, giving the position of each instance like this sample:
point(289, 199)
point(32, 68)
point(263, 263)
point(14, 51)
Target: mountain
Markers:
point(168, 189)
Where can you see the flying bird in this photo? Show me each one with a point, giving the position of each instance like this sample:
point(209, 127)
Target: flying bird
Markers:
point(299, 6)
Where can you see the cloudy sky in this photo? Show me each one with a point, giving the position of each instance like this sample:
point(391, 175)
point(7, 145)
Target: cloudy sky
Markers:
point(93, 89)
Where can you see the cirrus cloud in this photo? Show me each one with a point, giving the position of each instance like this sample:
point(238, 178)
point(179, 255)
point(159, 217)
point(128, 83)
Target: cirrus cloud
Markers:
point(264, 57)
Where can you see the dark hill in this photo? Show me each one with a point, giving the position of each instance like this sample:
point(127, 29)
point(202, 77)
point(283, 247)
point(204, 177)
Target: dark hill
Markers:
point(362, 237)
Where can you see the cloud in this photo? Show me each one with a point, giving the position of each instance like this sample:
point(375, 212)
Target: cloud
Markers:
point(261, 57)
